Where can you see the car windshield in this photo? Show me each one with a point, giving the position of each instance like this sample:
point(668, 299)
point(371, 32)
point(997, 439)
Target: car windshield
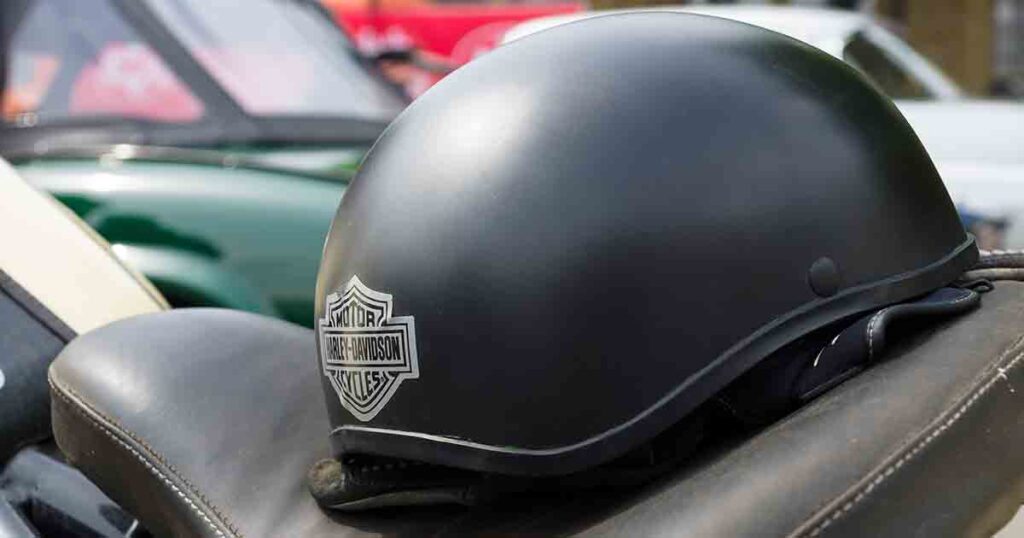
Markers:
point(188, 72)
point(274, 57)
point(896, 81)
point(69, 59)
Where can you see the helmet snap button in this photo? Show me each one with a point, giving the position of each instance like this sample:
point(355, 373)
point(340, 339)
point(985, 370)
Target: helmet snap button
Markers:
point(823, 276)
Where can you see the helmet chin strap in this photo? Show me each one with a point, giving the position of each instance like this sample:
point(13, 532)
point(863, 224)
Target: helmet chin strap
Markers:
point(819, 361)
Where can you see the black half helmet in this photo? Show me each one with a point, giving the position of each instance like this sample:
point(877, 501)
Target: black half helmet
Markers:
point(570, 243)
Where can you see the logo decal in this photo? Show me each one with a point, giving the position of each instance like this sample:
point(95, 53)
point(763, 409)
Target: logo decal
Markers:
point(364, 351)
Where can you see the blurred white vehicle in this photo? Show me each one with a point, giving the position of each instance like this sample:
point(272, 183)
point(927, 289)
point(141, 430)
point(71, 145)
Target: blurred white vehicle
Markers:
point(977, 145)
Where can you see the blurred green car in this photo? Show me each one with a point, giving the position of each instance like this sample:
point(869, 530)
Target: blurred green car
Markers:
point(208, 142)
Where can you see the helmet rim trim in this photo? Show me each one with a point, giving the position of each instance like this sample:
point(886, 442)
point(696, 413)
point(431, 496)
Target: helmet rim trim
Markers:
point(672, 406)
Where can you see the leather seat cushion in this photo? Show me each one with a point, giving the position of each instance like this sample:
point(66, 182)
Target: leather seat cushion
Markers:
point(204, 423)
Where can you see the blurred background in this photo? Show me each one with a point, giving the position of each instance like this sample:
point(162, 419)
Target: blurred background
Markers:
point(210, 141)
point(979, 43)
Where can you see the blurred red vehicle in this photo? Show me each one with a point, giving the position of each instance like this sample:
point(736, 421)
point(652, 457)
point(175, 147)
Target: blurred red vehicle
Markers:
point(444, 36)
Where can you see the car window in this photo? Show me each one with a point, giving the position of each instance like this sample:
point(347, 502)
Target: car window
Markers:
point(73, 59)
point(275, 58)
point(896, 81)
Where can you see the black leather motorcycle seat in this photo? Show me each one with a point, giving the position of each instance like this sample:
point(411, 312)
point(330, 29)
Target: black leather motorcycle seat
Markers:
point(204, 423)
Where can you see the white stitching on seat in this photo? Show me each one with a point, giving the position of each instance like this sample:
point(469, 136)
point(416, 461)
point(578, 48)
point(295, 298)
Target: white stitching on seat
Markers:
point(922, 444)
point(152, 468)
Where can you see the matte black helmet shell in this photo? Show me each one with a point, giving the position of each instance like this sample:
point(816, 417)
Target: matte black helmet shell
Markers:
point(568, 244)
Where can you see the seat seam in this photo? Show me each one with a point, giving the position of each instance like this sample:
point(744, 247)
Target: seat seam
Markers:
point(919, 446)
point(67, 394)
point(907, 444)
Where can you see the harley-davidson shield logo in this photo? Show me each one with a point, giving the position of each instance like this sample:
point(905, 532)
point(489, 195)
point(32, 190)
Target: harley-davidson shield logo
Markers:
point(365, 352)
